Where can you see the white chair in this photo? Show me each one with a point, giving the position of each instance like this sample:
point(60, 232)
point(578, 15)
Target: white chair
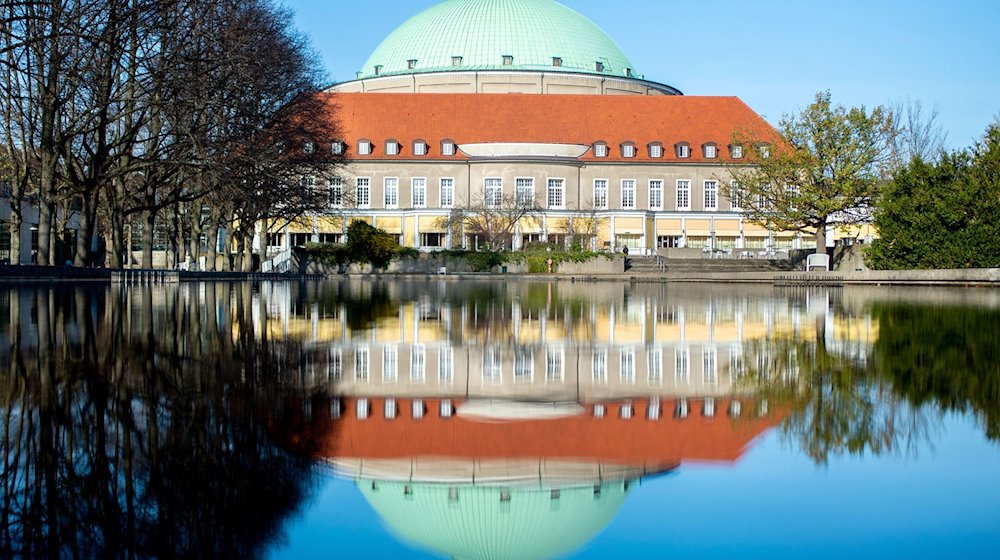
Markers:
point(818, 261)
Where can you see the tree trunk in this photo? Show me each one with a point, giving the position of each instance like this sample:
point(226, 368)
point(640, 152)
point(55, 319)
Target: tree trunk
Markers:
point(85, 235)
point(240, 241)
point(821, 238)
point(149, 222)
point(212, 235)
point(16, 221)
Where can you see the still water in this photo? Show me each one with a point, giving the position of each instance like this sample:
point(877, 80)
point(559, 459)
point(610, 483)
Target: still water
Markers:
point(475, 419)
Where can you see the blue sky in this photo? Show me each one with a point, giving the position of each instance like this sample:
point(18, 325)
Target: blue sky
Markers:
point(775, 55)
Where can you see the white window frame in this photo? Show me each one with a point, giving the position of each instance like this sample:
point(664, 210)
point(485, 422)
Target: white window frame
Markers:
point(711, 202)
point(362, 364)
point(364, 148)
point(656, 194)
point(682, 365)
point(390, 364)
point(418, 192)
point(555, 364)
point(556, 193)
point(420, 148)
point(628, 186)
point(711, 151)
point(337, 148)
point(710, 365)
point(524, 190)
point(654, 367)
point(447, 148)
point(601, 150)
point(492, 365)
point(363, 191)
point(656, 150)
point(628, 150)
point(735, 196)
point(447, 193)
point(492, 191)
point(390, 192)
point(626, 373)
point(335, 188)
point(683, 151)
point(391, 148)
point(599, 366)
point(736, 151)
point(418, 363)
point(524, 365)
point(683, 188)
point(446, 365)
point(600, 199)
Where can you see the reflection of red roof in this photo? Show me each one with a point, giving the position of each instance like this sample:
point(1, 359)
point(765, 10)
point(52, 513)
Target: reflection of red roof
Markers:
point(548, 119)
point(637, 441)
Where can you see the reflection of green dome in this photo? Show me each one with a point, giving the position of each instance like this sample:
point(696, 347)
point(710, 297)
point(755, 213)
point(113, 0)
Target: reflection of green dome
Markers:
point(476, 523)
point(483, 32)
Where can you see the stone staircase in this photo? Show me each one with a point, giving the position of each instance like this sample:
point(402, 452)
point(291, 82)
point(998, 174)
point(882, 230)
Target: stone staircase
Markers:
point(708, 268)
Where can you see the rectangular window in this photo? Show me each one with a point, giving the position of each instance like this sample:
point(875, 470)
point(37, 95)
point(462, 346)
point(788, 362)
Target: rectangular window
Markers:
point(418, 362)
point(447, 148)
point(525, 191)
point(654, 367)
point(363, 191)
point(390, 364)
point(656, 195)
point(554, 364)
point(556, 194)
point(682, 362)
point(683, 151)
point(628, 150)
point(391, 185)
point(524, 365)
point(656, 151)
point(628, 193)
point(736, 195)
point(391, 148)
point(336, 186)
point(600, 193)
point(364, 148)
point(493, 191)
point(683, 194)
point(600, 150)
point(736, 366)
point(627, 372)
point(600, 366)
point(447, 192)
point(736, 151)
point(445, 369)
point(711, 152)
point(361, 364)
point(419, 192)
point(337, 148)
point(491, 365)
point(709, 371)
point(419, 148)
point(335, 367)
point(711, 195)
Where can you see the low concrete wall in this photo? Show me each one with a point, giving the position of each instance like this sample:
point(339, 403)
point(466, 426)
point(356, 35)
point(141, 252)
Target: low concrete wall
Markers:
point(430, 263)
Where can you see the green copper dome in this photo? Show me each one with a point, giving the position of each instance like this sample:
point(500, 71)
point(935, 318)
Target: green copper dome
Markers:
point(462, 35)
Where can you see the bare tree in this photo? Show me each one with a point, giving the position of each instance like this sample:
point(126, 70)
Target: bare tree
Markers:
point(583, 225)
point(919, 134)
point(494, 221)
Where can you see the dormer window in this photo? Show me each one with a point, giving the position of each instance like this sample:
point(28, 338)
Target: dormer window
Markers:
point(447, 148)
point(378, 69)
point(628, 72)
point(735, 151)
point(764, 150)
point(683, 150)
point(508, 60)
point(628, 150)
point(556, 61)
point(655, 150)
point(309, 147)
point(599, 66)
point(337, 148)
point(600, 150)
point(411, 64)
point(364, 147)
point(391, 148)
point(419, 148)
point(711, 151)
point(456, 61)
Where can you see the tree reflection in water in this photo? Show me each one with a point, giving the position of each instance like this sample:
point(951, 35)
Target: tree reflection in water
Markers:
point(133, 423)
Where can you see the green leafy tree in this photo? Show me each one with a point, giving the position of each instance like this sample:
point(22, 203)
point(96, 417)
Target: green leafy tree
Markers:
point(369, 244)
point(944, 214)
point(826, 168)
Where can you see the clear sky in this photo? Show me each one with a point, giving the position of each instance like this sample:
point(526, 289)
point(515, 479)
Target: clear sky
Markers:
point(773, 54)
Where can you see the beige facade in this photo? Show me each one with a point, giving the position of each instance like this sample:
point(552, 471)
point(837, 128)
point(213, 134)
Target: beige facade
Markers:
point(505, 82)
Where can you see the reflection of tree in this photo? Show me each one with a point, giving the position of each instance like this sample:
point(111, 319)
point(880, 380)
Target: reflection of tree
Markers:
point(836, 404)
point(948, 357)
point(138, 425)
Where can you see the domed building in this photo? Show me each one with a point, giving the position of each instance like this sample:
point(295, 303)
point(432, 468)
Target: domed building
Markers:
point(526, 108)
point(491, 46)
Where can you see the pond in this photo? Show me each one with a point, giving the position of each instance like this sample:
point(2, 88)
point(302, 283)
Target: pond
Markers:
point(457, 418)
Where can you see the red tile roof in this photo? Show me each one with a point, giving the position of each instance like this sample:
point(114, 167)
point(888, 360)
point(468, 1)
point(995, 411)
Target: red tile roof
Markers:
point(638, 441)
point(551, 119)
